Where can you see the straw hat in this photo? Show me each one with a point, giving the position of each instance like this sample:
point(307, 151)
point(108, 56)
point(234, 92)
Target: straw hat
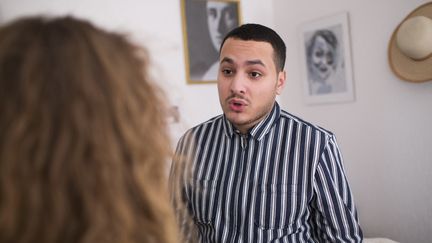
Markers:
point(410, 47)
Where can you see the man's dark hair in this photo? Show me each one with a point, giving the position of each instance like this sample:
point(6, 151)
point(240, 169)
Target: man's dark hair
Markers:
point(257, 32)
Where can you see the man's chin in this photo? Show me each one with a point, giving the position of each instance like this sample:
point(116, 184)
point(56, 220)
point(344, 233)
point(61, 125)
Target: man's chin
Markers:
point(236, 117)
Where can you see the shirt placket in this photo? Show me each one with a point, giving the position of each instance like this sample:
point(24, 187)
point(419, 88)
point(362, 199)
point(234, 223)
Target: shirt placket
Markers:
point(238, 209)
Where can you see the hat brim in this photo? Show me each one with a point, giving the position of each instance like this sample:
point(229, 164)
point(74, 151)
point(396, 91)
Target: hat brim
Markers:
point(405, 67)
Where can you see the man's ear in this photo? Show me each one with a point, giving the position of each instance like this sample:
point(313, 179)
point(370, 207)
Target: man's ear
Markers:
point(280, 82)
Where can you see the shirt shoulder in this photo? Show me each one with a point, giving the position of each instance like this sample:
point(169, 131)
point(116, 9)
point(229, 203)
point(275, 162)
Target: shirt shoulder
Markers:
point(204, 125)
point(303, 123)
point(207, 123)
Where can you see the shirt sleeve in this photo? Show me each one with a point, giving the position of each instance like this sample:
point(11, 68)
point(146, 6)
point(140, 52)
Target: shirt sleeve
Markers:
point(179, 184)
point(334, 213)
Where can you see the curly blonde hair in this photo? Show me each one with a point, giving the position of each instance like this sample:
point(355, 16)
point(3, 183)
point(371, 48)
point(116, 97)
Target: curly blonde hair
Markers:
point(84, 143)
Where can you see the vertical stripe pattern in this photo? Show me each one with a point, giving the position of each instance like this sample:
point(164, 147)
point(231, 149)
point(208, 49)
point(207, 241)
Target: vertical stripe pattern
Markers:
point(284, 181)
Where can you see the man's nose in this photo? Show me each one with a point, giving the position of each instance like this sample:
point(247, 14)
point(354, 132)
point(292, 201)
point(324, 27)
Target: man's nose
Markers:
point(238, 84)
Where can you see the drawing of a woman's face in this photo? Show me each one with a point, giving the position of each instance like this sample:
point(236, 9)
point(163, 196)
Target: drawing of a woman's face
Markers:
point(322, 58)
point(322, 55)
point(221, 18)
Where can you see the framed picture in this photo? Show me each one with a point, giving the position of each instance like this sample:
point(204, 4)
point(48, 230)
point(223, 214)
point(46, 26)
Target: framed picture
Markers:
point(205, 24)
point(326, 60)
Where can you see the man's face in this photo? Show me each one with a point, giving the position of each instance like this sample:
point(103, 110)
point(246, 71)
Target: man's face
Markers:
point(221, 18)
point(323, 58)
point(247, 82)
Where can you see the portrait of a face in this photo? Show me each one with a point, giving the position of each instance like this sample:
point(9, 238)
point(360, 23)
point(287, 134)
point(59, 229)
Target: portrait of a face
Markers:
point(326, 60)
point(322, 55)
point(206, 23)
point(221, 18)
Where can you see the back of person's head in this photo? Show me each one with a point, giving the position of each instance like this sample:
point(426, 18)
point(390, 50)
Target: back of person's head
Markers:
point(257, 32)
point(83, 137)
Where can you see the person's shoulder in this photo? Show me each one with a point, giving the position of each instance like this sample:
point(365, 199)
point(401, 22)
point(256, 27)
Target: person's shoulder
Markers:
point(209, 122)
point(193, 133)
point(300, 122)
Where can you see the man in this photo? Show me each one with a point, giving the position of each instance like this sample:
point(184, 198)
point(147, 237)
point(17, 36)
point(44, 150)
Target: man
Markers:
point(258, 173)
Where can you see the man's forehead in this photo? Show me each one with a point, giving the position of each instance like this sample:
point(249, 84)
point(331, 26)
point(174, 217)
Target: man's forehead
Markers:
point(247, 52)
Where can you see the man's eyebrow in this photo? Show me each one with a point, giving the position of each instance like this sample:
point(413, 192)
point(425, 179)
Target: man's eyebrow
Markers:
point(249, 62)
point(255, 62)
point(227, 59)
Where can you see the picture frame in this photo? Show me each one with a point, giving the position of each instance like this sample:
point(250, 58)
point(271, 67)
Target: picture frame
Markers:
point(325, 53)
point(204, 24)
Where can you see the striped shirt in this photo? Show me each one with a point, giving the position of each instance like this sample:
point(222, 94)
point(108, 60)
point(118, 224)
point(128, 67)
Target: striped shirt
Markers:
point(282, 182)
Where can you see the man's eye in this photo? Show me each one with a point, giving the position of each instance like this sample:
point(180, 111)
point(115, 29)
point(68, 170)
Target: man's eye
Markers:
point(227, 71)
point(255, 74)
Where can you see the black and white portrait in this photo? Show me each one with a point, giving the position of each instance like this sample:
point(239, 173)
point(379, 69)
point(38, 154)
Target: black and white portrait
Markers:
point(205, 24)
point(325, 61)
point(327, 66)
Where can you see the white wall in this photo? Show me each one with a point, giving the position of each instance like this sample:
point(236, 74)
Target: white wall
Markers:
point(385, 135)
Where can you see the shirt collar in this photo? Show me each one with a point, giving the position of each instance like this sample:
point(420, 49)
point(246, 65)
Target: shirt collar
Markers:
point(260, 129)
